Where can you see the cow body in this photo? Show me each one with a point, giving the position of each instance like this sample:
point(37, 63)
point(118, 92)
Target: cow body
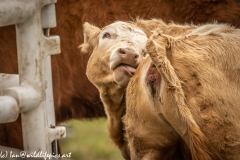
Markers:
point(198, 88)
point(149, 135)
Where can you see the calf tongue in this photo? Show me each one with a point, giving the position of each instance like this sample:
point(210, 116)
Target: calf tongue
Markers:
point(130, 69)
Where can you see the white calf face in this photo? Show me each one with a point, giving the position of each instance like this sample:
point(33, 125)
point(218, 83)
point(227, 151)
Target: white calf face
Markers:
point(118, 52)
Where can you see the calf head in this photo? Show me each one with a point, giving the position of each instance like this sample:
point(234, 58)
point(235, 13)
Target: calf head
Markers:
point(116, 51)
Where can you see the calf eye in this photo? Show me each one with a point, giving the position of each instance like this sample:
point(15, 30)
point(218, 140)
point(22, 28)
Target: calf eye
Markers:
point(106, 35)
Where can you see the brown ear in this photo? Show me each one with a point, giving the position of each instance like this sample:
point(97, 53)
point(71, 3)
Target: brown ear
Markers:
point(149, 25)
point(90, 33)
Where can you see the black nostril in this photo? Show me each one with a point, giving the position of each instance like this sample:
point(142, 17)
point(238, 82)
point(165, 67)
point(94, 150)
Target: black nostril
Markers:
point(136, 56)
point(122, 51)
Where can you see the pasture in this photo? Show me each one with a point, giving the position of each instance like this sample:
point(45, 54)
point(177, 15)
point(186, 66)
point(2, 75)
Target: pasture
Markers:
point(88, 140)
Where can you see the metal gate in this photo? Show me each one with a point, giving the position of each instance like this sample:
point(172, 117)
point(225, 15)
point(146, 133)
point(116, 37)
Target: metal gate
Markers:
point(30, 92)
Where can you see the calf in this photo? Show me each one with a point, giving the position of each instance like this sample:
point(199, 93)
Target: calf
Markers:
point(116, 51)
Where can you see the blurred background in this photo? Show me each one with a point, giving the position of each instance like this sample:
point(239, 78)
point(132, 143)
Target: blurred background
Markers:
point(88, 140)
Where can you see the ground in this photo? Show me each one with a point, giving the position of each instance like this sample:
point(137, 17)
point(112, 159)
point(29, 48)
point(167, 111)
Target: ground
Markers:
point(88, 140)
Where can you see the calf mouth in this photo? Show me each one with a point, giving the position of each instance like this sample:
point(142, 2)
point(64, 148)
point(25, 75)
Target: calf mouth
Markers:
point(123, 63)
point(122, 74)
point(127, 69)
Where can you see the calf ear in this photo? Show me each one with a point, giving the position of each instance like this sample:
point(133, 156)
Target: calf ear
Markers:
point(90, 34)
point(149, 25)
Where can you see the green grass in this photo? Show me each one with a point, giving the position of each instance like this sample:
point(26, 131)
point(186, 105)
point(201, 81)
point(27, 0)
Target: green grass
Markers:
point(88, 140)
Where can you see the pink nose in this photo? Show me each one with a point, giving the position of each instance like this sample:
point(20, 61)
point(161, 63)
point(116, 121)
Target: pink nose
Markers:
point(128, 53)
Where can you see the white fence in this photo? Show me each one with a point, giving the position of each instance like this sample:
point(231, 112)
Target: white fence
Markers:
point(30, 92)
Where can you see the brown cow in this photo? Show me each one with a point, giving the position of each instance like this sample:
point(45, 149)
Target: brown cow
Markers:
point(74, 95)
point(198, 85)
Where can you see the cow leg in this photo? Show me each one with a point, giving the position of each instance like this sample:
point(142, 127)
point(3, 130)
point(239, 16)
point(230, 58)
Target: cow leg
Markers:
point(125, 151)
point(200, 146)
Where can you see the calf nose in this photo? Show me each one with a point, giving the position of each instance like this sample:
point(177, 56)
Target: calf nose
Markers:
point(128, 53)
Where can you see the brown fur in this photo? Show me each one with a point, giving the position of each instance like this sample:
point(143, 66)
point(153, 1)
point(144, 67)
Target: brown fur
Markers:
point(149, 135)
point(74, 95)
point(199, 96)
point(198, 142)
